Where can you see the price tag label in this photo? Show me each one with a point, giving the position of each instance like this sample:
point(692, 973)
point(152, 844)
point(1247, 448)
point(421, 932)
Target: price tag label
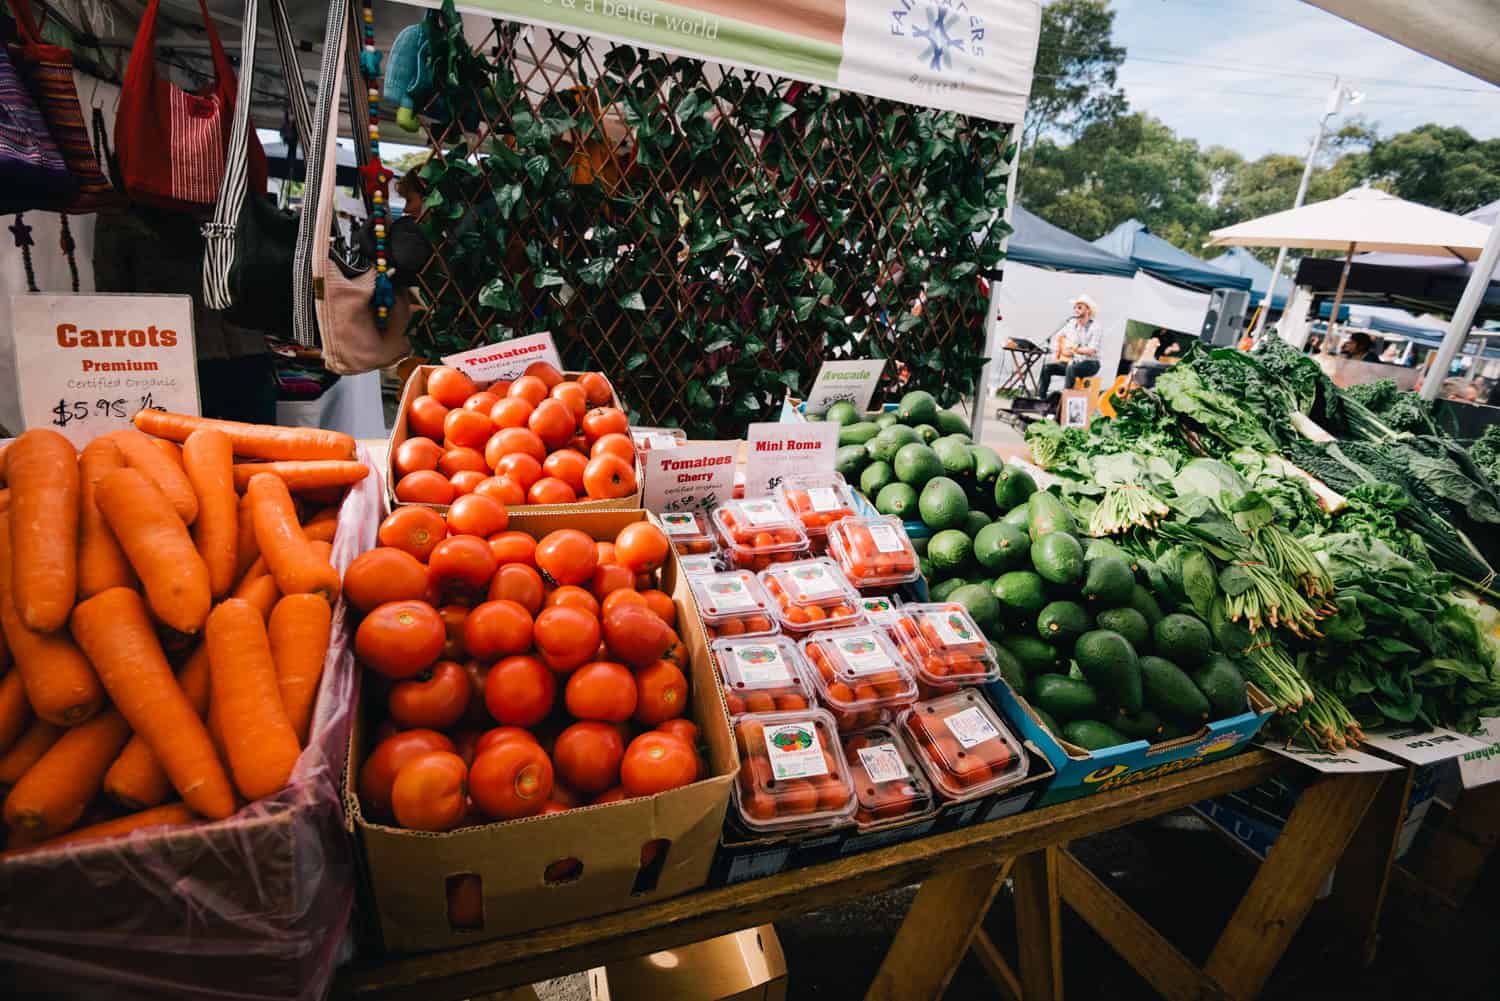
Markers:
point(506, 359)
point(971, 727)
point(1481, 767)
point(1419, 746)
point(883, 763)
point(1347, 760)
point(845, 382)
point(781, 450)
point(696, 477)
point(86, 363)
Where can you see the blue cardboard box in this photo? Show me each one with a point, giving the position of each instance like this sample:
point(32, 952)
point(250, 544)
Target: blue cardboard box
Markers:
point(1082, 773)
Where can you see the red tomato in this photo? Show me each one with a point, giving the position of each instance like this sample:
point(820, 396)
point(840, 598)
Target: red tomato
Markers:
point(453, 617)
point(436, 699)
point(501, 488)
point(378, 773)
point(431, 792)
point(468, 428)
point(609, 477)
point(482, 401)
point(461, 567)
point(511, 780)
point(663, 693)
point(610, 577)
point(416, 453)
point(602, 691)
point(615, 795)
point(464, 481)
point(656, 762)
point(684, 730)
point(513, 547)
point(597, 387)
point(477, 515)
point(400, 639)
point(502, 734)
point(458, 458)
point(550, 490)
point(518, 582)
point(509, 440)
point(566, 637)
point(520, 468)
point(497, 629)
point(662, 604)
point(572, 596)
point(618, 445)
point(552, 422)
point(572, 394)
point(545, 371)
point(425, 486)
point(602, 421)
point(568, 466)
point(383, 574)
point(449, 386)
point(566, 556)
point(416, 530)
point(529, 388)
point(587, 757)
point(636, 635)
point(519, 691)
point(425, 417)
point(510, 412)
point(641, 547)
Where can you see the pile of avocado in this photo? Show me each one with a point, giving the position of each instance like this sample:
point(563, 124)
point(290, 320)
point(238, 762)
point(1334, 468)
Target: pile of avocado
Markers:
point(1083, 638)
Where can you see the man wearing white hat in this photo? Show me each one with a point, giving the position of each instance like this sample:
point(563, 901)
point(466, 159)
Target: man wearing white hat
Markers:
point(1075, 346)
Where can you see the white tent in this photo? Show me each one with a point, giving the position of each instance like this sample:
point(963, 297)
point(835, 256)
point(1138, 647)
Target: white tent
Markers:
point(1460, 33)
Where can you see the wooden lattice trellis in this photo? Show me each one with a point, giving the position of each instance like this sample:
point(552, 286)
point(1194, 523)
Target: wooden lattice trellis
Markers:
point(705, 235)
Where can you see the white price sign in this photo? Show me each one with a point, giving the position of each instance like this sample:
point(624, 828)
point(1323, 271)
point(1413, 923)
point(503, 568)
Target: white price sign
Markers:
point(1418, 746)
point(781, 450)
point(86, 363)
point(845, 381)
point(1348, 760)
point(1482, 766)
point(692, 477)
point(506, 359)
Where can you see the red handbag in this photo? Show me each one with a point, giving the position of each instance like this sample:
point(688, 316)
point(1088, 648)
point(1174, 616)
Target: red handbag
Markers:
point(171, 143)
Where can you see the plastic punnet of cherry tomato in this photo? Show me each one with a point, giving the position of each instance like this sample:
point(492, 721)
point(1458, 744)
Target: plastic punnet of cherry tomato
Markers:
point(690, 533)
point(809, 595)
point(945, 647)
point(963, 745)
point(873, 552)
point(733, 603)
point(759, 531)
point(762, 675)
point(793, 773)
point(817, 500)
point(516, 676)
point(540, 439)
point(888, 782)
point(859, 676)
point(881, 609)
point(700, 565)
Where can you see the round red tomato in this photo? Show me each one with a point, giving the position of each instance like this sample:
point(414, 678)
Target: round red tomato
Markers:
point(572, 596)
point(635, 634)
point(477, 515)
point(519, 691)
point(383, 574)
point(656, 762)
point(566, 556)
point(458, 459)
point(378, 772)
point(510, 412)
point(425, 486)
point(618, 445)
point(511, 780)
point(602, 691)
point(520, 468)
point(437, 698)
point(513, 547)
point(431, 792)
point(599, 391)
point(468, 428)
point(608, 477)
point(416, 453)
point(518, 582)
point(417, 530)
point(550, 490)
point(566, 637)
point(663, 693)
point(545, 371)
point(568, 466)
point(601, 421)
point(449, 386)
point(464, 481)
point(611, 577)
point(502, 734)
point(684, 730)
point(529, 388)
point(497, 629)
point(425, 417)
point(501, 488)
point(552, 422)
point(482, 401)
point(508, 441)
point(641, 547)
point(400, 639)
point(587, 757)
point(572, 394)
point(461, 566)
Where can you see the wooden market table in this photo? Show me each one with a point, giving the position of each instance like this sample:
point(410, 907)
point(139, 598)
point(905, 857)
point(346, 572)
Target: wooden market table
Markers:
point(960, 874)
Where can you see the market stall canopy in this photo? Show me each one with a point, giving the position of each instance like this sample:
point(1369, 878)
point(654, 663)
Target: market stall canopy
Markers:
point(1239, 261)
point(1132, 240)
point(1362, 219)
point(1037, 242)
point(1460, 33)
point(1416, 289)
point(1486, 215)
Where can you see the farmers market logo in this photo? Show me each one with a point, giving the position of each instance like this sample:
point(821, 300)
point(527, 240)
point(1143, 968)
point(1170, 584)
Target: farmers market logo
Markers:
point(940, 28)
point(677, 521)
point(877, 605)
point(792, 738)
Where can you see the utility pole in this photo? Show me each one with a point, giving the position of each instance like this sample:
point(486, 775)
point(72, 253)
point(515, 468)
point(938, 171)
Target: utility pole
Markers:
point(1336, 98)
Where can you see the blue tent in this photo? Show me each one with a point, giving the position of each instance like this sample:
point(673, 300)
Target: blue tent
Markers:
point(1239, 261)
point(1041, 244)
point(1151, 253)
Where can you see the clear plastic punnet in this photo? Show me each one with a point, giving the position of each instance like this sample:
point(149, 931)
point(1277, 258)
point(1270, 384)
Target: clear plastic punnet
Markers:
point(792, 772)
point(873, 552)
point(699, 565)
point(945, 646)
point(810, 595)
point(759, 531)
point(733, 603)
point(689, 532)
point(964, 745)
point(818, 501)
point(762, 675)
point(881, 609)
point(888, 782)
point(859, 676)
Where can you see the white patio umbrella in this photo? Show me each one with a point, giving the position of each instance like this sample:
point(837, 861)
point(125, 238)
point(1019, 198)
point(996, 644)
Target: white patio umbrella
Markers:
point(1364, 219)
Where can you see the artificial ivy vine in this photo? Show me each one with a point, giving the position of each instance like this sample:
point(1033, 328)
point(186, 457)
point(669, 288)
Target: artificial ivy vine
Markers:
point(725, 234)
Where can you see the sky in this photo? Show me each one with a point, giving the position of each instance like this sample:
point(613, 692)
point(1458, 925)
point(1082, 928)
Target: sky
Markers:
point(1262, 69)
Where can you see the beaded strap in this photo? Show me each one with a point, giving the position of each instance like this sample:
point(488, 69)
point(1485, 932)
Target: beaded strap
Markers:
point(377, 176)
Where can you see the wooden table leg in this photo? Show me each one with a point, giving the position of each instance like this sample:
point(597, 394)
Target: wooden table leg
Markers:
point(996, 966)
point(1461, 845)
point(936, 934)
point(1282, 892)
point(1039, 925)
point(1364, 873)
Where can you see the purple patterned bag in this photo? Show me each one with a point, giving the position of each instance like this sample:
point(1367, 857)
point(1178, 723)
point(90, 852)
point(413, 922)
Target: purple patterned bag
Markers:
point(32, 172)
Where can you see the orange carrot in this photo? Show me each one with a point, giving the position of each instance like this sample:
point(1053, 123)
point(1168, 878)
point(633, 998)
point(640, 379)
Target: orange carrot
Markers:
point(159, 548)
point(115, 630)
point(51, 797)
point(245, 550)
point(15, 711)
point(299, 630)
point(171, 815)
point(170, 449)
point(208, 458)
point(169, 477)
point(5, 499)
point(27, 751)
point(60, 683)
point(252, 441)
point(45, 487)
point(258, 738)
point(101, 561)
point(136, 780)
point(322, 514)
point(320, 531)
point(307, 475)
point(4, 647)
point(298, 569)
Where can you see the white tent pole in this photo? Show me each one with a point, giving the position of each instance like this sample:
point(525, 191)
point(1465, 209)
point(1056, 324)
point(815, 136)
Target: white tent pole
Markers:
point(991, 316)
point(1335, 102)
point(1463, 316)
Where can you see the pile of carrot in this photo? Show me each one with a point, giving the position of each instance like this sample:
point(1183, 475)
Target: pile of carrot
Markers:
point(166, 602)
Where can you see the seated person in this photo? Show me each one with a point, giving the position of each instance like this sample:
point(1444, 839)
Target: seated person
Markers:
point(1360, 347)
point(1075, 346)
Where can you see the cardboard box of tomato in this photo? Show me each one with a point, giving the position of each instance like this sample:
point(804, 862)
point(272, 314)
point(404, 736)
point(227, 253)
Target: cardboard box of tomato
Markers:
point(553, 868)
point(467, 453)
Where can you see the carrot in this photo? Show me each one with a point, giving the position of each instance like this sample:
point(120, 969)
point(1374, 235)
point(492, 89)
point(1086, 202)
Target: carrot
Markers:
point(322, 514)
point(321, 531)
point(159, 548)
point(136, 780)
point(101, 561)
point(171, 815)
point(298, 569)
point(299, 630)
point(245, 550)
point(27, 751)
point(60, 684)
point(258, 738)
point(115, 630)
point(4, 646)
point(45, 487)
point(168, 476)
point(170, 449)
point(311, 474)
point(208, 458)
point(15, 711)
point(5, 499)
point(252, 441)
point(51, 797)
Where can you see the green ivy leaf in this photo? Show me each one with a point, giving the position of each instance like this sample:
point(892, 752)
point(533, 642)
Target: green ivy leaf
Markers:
point(802, 306)
point(547, 277)
point(507, 196)
point(780, 113)
point(596, 272)
point(636, 360)
point(698, 398)
point(719, 379)
point(718, 345)
point(633, 300)
point(537, 168)
point(498, 295)
point(790, 378)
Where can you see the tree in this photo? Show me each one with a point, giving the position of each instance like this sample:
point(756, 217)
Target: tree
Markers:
point(1436, 165)
point(1074, 84)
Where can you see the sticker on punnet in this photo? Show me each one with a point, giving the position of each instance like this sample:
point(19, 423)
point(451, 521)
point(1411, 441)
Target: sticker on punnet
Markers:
point(883, 763)
point(794, 750)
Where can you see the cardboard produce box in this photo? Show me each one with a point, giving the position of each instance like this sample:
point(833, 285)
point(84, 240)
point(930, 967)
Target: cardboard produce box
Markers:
point(548, 870)
point(1082, 773)
point(746, 965)
point(416, 385)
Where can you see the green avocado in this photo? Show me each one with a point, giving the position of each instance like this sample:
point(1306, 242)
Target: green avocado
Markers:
point(1108, 581)
point(858, 433)
point(987, 465)
point(886, 419)
point(1109, 662)
point(975, 522)
point(1036, 656)
point(1049, 515)
point(942, 504)
point(998, 546)
point(1144, 725)
point(875, 476)
point(1018, 517)
point(1223, 685)
point(1171, 730)
point(1142, 601)
point(1058, 557)
point(1104, 547)
point(849, 460)
point(1047, 721)
point(917, 407)
point(1013, 485)
point(1022, 592)
point(1064, 697)
point(955, 456)
point(1172, 693)
point(1010, 668)
point(889, 441)
point(1091, 735)
point(1062, 622)
point(950, 422)
point(927, 433)
point(951, 552)
point(842, 412)
point(898, 499)
point(916, 463)
point(981, 605)
point(1183, 639)
point(943, 588)
point(1128, 623)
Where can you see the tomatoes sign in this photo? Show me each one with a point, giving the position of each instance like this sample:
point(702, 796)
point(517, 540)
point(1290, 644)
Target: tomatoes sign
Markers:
point(86, 363)
point(505, 359)
point(777, 451)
